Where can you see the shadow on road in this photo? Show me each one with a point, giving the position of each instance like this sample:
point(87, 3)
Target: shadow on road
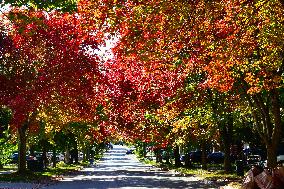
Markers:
point(121, 171)
point(132, 179)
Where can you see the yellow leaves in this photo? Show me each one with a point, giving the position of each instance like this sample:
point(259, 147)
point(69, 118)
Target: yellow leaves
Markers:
point(175, 58)
point(42, 115)
point(181, 125)
point(250, 78)
point(166, 113)
point(277, 79)
point(254, 90)
point(262, 80)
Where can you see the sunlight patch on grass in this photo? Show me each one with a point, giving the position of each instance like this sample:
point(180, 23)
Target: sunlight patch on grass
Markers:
point(217, 174)
point(8, 173)
point(10, 167)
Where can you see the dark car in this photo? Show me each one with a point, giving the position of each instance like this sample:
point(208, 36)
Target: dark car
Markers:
point(35, 161)
point(280, 153)
point(35, 156)
point(195, 156)
point(130, 151)
point(15, 157)
point(216, 157)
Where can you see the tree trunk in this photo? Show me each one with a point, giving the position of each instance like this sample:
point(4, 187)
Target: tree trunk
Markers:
point(88, 153)
point(267, 117)
point(84, 154)
point(93, 151)
point(177, 156)
point(203, 155)
point(187, 162)
point(158, 156)
point(144, 149)
point(44, 153)
point(75, 155)
point(227, 160)
point(227, 139)
point(22, 149)
point(271, 156)
point(67, 156)
point(167, 157)
point(54, 156)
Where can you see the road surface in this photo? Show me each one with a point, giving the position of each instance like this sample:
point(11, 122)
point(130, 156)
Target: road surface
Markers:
point(117, 170)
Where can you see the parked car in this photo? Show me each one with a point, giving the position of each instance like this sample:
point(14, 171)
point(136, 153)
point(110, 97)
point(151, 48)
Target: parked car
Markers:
point(60, 157)
point(280, 155)
point(35, 156)
point(130, 151)
point(182, 158)
point(216, 157)
point(253, 160)
point(255, 151)
point(167, 154)
point(15, 156)
point(195, 156)
point(35, 161)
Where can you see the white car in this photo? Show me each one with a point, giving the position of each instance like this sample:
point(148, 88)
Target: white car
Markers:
point(60, 157)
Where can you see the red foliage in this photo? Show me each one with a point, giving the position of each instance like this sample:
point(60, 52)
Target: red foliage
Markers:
point(46, 61)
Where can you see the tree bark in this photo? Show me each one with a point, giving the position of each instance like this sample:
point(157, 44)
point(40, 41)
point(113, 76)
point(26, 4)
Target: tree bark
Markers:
point(187, 162)
point(54, 156)
point(167, 157)
point(267, 117)
point(158, 156)
point(177, 156)
point(44, 143)
point(88, 153)
point(277, 130)
point(203, 155)
point(67, 156)
point(227, 139)
point(271, 156)
point(22, 149)
point(144, 149)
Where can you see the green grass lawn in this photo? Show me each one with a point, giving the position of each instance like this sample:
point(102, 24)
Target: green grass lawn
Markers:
point(9, 172)
point(47, 175)
point(216, 174)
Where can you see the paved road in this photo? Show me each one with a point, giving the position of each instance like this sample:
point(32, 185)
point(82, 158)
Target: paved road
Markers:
point(117, 170)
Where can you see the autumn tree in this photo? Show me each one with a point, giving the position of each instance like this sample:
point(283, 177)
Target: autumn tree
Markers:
point(44, 60)
point(247, 47)
point(236, 45)
point(63, 5)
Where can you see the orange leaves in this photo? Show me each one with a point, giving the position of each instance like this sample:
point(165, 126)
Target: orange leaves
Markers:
point(262, 80)
point(160, 45)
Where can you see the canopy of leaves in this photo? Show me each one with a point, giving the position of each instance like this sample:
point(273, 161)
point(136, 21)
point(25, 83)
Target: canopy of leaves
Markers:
point(44, 63)
point(63, 5)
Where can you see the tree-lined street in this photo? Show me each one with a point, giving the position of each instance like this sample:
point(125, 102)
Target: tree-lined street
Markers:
point(117, 170)
point(195, 84)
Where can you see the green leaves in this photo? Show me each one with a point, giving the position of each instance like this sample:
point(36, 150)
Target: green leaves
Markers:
point(63, 5)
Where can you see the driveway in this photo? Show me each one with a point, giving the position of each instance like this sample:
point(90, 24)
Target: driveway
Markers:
point(117, 170)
